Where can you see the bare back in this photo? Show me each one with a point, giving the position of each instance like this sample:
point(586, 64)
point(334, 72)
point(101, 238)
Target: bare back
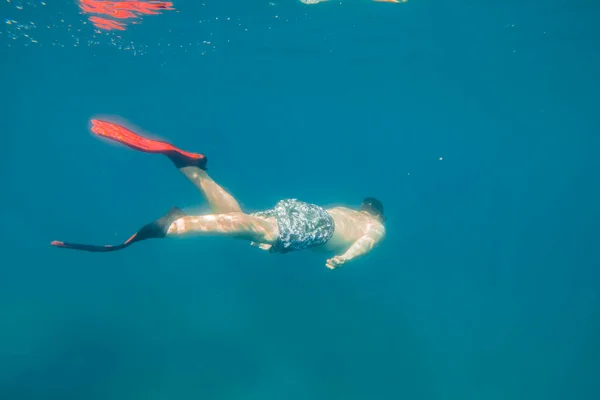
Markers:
point(350, 225)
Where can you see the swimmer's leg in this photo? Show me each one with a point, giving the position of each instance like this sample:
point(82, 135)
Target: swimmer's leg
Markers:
point(219, 200)
point(237, 225)
point(192, 165)
point(177, 223)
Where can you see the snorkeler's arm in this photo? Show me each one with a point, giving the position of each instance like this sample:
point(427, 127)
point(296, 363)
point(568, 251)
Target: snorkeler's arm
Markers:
point(362, 246)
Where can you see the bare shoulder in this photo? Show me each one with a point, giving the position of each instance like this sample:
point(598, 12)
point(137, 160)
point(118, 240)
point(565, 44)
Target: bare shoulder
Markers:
point(377, 229)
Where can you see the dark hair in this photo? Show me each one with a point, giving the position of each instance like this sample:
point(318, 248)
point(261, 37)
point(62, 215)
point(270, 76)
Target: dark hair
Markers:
point(373, 207)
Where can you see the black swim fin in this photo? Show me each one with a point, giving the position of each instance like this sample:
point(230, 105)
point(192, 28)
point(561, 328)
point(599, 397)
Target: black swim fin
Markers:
point(154, 230)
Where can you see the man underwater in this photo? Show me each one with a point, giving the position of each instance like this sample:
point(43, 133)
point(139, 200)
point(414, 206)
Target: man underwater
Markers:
point(291, 225)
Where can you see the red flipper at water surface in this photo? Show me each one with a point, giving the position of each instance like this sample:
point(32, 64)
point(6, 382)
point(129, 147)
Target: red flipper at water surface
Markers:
point(130, 139)
point(107, 11)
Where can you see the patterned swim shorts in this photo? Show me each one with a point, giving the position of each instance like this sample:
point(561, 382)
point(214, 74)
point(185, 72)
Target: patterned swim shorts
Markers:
point(301, 225)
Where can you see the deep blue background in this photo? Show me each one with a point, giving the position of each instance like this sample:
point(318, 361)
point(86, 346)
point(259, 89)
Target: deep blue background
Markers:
point(485, 288)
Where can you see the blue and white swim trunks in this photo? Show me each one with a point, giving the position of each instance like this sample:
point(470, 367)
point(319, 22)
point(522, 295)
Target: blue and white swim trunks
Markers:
point(301, 225)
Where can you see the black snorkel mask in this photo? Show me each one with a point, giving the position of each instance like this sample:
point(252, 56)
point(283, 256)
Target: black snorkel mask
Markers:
point(374, 207)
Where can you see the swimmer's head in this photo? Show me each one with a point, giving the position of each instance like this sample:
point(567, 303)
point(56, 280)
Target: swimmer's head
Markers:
point(374, 207)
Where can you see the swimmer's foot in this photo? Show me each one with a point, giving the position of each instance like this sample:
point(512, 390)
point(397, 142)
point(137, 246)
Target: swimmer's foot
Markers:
point(154, 230)
point(124, 136)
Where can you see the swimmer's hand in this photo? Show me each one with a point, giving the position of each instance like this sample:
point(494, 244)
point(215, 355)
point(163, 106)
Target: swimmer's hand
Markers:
point(335, 262)
point(262, 246)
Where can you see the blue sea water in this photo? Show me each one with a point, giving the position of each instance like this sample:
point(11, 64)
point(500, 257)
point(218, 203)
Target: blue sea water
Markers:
point(474, 122)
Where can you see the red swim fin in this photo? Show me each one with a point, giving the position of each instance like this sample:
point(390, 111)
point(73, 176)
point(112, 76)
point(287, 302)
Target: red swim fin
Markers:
point(154, 230)
point(126, 137)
